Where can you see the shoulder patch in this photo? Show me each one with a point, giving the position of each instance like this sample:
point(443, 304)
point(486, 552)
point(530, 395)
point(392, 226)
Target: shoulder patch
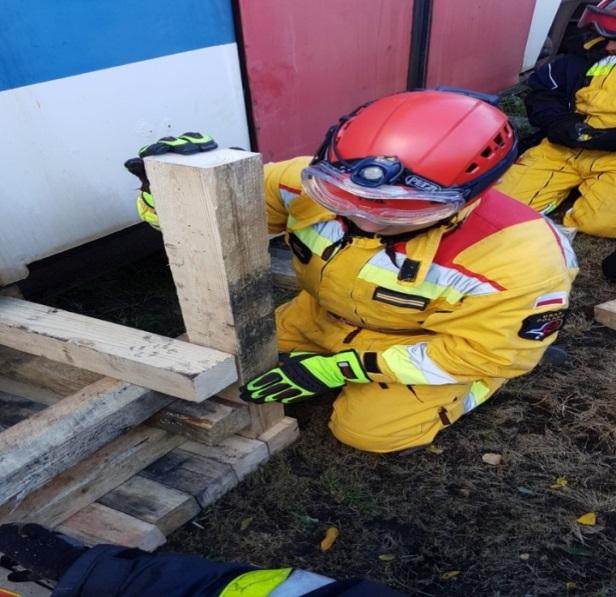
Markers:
point(540, 326)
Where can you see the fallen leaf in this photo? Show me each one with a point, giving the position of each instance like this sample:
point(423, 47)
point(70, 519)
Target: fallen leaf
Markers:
point(331, 534)
point(387, 557)
point(493, 459)
point(589, 519)
point(576, 550)
point(432, 448)
point(524, 556)
point(246, 523)
point(559, 483)
point(450, 574)
point(571, 586)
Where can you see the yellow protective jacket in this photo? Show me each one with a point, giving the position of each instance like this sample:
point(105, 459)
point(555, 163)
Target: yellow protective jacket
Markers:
point(479, 298)
point(597, 99)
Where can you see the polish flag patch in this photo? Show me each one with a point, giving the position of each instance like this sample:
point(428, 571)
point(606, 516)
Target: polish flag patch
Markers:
point(553, 299)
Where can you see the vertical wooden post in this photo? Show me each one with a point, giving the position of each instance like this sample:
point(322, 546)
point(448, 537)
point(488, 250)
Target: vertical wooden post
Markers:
point(212, 217)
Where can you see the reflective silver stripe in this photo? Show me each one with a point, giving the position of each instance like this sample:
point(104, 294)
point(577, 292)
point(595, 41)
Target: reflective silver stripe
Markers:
point(331, 230)
point(287, 196)
point(299, 583)
point(418, 355)
point(445, 278)
point(570, 257)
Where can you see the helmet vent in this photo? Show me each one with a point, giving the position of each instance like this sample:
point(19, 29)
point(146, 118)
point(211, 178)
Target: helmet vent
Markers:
point(499, 140)
point(487, 152)
point(472, 168)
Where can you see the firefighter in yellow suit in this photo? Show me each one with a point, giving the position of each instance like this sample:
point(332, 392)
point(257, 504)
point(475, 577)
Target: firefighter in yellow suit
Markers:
point(423, 289)
point(573, 101)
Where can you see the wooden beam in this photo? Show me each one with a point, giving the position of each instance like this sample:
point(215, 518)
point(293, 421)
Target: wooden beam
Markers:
point(100, 524)
point(15, 408)
point(171, 366)
point(212, 215)
point(280, 435)
point(209, 422)
point(92, 478)
point(283, 274)
point(242, 454)
point(46, 444)
point(46, 381)
point(32, 370)
point(605, 313)
point(205, 479)
point(152, 502)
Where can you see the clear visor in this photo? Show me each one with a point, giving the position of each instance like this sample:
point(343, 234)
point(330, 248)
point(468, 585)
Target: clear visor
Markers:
point(386, 204)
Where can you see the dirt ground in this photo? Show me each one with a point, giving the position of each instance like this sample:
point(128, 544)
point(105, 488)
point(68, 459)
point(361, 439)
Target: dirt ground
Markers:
point(437, 521)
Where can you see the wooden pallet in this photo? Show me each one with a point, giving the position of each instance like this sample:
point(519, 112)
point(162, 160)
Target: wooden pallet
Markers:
point(116, 435)
point(605, 313)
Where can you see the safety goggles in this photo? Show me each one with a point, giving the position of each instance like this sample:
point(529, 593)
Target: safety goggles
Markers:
point(338, 191)
point(603, 20)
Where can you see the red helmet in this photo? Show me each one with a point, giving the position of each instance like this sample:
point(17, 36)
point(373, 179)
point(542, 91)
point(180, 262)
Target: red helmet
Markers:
point(602, 17)
point(411, 158)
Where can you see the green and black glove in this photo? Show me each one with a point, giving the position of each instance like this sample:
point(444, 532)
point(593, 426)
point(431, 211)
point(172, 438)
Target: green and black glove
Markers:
point(303, 375)
point(185, 144)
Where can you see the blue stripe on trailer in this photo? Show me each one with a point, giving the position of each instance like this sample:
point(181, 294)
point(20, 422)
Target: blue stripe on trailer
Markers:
point(41, 40)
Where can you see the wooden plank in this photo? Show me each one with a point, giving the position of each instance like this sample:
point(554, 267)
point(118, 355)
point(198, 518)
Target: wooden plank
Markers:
point(152, 502)
point(605, 313)
point(262, 416)
point(203, 478)
point(16, 408)
point(221, 267)
point(93, 477)
point(209, 422)
point(283, 274)
point(242, 454)
point(100, 524)
point(280, 435)
point(171, 366)
point(28, 391)
point(57, 378)
point(37, 449)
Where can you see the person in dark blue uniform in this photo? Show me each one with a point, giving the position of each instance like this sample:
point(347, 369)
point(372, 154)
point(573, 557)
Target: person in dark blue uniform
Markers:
point(116, 571)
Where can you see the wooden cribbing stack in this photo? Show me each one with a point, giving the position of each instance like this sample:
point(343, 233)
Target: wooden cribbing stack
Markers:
point(605, 313)
point(117, 435)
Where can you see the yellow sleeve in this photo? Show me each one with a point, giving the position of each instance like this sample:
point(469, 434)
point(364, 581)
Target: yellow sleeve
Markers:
point(282, 180)
point(491, 336)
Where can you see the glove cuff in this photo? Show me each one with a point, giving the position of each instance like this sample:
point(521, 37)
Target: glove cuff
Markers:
point(350, 366)
point(376, 368)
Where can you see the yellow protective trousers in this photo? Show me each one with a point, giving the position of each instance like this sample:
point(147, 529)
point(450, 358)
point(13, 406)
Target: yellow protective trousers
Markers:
point(373, 417)
point(544, 176)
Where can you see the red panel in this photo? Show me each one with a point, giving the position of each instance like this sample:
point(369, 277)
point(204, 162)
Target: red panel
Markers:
point(478, 44)
point(310, 61)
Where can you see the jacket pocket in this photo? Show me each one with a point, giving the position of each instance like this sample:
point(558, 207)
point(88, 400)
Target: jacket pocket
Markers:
point(400, 299)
